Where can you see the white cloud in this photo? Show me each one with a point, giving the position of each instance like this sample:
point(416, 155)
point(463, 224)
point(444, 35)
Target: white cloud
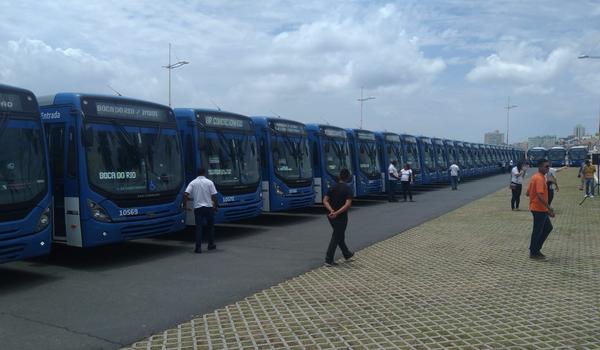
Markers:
point(521, 64)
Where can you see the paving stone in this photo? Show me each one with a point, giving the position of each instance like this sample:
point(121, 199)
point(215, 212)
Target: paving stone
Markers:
point(461, 281)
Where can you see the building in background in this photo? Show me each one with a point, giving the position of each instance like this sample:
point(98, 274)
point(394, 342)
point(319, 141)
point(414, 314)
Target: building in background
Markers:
point(579, 131)
point(545, 141)
point(494, 138)
point(521, 145)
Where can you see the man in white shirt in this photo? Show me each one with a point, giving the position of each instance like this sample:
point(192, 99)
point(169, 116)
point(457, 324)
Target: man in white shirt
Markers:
point(204, 197)
point(393, 177)
point(406, 179)
point(454, 172)
point(552, 183)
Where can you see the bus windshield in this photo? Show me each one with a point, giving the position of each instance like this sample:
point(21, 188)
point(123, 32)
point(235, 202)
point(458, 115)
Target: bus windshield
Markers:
point(428, 157)
point(394, 153)
point(230, 159)
point(22, 161)
point(535, 155)
point(368, 159)
point(291, 157)
point(578, 153)
point(412, 157)
point(337, 156)
point(126, 159)
point(556, 154)
point(441, 162)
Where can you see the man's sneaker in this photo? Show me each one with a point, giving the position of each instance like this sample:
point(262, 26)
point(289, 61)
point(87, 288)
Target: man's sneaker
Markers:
point(349, 257)
point(330, 264)
point(538, 256)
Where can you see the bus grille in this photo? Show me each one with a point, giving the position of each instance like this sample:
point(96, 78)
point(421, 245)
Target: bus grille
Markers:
point(302, 202)
point(242, 213)
point(11, 252)
point(142, 230)
point(12, 234)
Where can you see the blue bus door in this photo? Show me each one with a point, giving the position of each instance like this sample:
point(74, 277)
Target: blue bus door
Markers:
point(56, 143)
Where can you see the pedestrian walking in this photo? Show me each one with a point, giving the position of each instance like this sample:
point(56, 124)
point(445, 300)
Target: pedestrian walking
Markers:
point(516, 185)
point(588, 177)
point(454, 176)
point(204, 197)
point(406, 180)
point(552, 183)
point(337, 201)
point(393, 178)
point(540, 209)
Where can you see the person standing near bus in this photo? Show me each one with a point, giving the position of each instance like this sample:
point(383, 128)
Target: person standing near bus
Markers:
point(338, 201)
point(588, 177)
point(204, 197)
point(454, 172)
point(406, 179)
point(516, 185)
point(552, 183)
point(392, 180)
point(540, 209)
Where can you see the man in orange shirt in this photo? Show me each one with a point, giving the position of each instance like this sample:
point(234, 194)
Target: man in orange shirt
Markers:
point(541, 210)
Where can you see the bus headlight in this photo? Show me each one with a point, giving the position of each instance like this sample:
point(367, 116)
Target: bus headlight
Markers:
point(278, 190)
point(44, 220)
point(98, 213)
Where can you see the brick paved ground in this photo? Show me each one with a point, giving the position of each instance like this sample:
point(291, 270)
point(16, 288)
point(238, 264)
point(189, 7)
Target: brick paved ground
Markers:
point(463, 280)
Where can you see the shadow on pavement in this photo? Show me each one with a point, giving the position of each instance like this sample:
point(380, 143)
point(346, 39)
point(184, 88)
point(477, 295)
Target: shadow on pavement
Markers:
point(13, 280)
point(106, 257)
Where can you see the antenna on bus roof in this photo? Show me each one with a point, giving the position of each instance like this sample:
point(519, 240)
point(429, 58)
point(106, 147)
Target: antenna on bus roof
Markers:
point(275, 114)
point(216, 105)
point(115, 91)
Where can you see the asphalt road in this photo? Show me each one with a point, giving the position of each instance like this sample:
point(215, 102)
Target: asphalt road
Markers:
point(108, 297)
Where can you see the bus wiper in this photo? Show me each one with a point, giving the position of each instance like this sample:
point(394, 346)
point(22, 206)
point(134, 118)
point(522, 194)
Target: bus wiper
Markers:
point(124, 134)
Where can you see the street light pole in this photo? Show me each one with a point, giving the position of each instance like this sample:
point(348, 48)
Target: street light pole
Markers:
point(173, 66)
point(363, 99)
point(508, 108)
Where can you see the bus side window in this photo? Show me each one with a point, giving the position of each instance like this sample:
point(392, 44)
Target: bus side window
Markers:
point(56, 146)
point(71, 154)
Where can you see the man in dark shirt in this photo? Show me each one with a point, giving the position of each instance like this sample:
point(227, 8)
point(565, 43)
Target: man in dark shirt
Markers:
point(337, 201)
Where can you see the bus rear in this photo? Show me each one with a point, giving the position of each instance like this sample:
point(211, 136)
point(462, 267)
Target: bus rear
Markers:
point(25, 192)
point(117, 168)
point(286, 168)
point(224, 144)
point(330, 152)
point(367, 163)
point(557, 156)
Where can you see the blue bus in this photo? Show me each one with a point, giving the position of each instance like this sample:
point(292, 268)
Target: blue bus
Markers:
point(117, 168)
point(464, 161)
point(427, 153)
point(471, 154)
point(25, 189)
point(577, 155)
point(330, 153)
point(535, 154)
point(441, 160)
point(391, 150)
point(557, 156)
point(452, 152)
point(286, 164)
point(367, 166)
point(225, 145)
point(412, 156)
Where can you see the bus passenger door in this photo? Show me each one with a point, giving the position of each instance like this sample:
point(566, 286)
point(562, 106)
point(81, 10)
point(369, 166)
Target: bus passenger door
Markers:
point(56, 149)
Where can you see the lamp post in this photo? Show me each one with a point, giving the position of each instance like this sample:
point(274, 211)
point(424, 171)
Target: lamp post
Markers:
point(363, 99)
point(508, 108)
point(172, 66)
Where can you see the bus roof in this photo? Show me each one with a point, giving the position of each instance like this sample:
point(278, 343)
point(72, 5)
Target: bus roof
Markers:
point(75, 98)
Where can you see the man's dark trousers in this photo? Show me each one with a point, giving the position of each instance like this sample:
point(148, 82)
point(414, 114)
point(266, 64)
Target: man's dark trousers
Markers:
point(454, 182)
point(391, 190)
point(201, 214)
point(541, 229)
point(338, 238)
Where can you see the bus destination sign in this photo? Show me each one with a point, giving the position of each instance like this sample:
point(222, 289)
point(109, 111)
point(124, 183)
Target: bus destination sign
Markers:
point(334, 132)
point(125, 110)
point(223, 121)
point(288, 128)
point(10, 102)
point(366, 136)
point(392, 138)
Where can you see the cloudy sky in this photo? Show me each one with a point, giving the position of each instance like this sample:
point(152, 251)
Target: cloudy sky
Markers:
point(436, 68)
